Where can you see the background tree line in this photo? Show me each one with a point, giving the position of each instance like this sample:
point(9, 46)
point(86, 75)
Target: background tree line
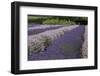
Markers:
point(54, 20)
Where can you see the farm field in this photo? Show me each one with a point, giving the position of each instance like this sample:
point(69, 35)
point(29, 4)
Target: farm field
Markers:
point(57, 41)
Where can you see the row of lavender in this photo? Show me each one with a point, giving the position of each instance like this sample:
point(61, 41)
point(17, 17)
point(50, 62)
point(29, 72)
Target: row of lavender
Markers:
point(39, 42)
point(85, 44)
point(42, 28)
point(66, 46)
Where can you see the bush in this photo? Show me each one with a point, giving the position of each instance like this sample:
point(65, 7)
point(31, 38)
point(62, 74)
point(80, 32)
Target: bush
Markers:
point(52, 20)
point(35, 48)
point(58, 21)
point(46, 41)
point(40, 45)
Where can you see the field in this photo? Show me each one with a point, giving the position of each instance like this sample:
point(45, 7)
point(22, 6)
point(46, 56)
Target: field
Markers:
point(53, 37)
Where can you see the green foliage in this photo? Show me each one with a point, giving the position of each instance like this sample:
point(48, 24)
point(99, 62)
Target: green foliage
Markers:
point(58, 21)
point(53, 20)
point(32, 19)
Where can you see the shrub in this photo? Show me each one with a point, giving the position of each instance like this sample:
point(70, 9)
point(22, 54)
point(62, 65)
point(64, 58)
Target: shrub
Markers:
point(51, 21)
point(58, 21)
point(40, 45)
point(46, 41)
point(35, 47)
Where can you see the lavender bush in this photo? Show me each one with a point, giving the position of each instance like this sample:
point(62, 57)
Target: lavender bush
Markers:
point(85, 44)
point(39, 42)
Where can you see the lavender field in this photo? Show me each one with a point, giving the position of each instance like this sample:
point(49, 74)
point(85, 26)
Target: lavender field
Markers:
point(49, 42)
point(57, 37)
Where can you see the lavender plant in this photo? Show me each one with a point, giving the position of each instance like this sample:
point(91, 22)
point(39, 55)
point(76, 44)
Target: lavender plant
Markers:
point(41, 41)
